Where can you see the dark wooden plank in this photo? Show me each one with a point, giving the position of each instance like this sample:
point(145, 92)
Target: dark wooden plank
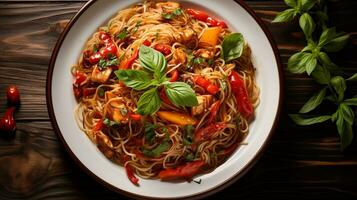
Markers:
point(300, 163)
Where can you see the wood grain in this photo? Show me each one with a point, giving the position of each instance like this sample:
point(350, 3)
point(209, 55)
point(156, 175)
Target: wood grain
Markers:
point(300, 163)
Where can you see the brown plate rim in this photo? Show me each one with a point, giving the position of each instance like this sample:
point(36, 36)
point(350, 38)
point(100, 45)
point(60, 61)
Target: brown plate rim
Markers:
point(223, 185)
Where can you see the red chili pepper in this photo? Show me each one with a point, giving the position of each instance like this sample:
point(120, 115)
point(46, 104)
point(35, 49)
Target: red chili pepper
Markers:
point(13, 96)
point(202, 16)
point(132, 59)
point(130, 174)
point(79, 78)
point(213, 111)
point(185, 171)
point(7, 123)
point(99, 125)
point(174, 75)
point(135, 117)
point(109, 49)
point(208, 86)
point(240, 92)
point(146, 43)
point(88, 91)
point(208, 131)
point(95, 58)
point(163, 48)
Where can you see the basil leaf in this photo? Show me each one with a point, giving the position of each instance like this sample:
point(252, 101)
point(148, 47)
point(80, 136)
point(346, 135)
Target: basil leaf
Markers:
point(347, 113)
point(178, 11)
point(314, 101)
point(351, 102)
point(326, 36)
point(285, 16)
point(344, 130)
point(307, 24)
point(136, 79)
point(325, 60)
point(152, 60)
point(339, 84)
point(188, 137)
point(321, 75)
point(353, 77)
point(307, 4)
point(293, 63)
point(309, 61)
point(190, 157)
point(109, 122)
point(336, 44)
point(181, 94)
point(291, 3)
point(168, 15)
point(298, 119)
point(149, 102)
point(149, 132)
point(158, 150)
point(232, 46)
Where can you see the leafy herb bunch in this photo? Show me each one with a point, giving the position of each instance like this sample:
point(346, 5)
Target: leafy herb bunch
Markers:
point(315, 62)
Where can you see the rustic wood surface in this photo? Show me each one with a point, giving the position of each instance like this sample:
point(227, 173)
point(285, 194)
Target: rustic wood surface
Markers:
point(300, 162)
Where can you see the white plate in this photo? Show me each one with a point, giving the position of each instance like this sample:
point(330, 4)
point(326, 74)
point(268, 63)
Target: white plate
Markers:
point(61, 101)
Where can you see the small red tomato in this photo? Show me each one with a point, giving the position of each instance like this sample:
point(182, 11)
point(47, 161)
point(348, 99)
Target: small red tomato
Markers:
point(13, 96)
point(211, 22)
point(212, 89)
point(109, 49)
point(95, 58)
point(146, 43)
point(103, 36)
point(222, 24)
point(79, 78)
point(164, 49)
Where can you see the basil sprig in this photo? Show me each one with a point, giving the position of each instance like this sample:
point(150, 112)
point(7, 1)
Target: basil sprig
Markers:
point(151, 78)
point(314, 60)
point(232, 46)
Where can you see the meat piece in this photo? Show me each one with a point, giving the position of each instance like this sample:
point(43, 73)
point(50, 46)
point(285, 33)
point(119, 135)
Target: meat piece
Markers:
point(204, 53)
point(204, 102)
point(101, 76)
point(168, 6)
point(105, 145)
point(179, 56)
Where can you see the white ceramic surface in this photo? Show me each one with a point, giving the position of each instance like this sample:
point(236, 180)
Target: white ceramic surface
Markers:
point(87, 153)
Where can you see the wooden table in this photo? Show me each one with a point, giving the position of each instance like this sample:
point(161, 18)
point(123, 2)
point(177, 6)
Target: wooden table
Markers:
point(300, 162)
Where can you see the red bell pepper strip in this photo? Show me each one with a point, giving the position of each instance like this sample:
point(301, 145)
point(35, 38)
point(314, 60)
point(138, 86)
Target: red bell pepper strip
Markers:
point(130, 174)
point(135, 117)
point(202, 16)
point(213, 111)
point(174, 75)
point(245, 107)
point(208, 86)
point(164, 98)
point(99, 125)
point(164, 49)
point(185, 171)
point(208, 131)
point(131, 59)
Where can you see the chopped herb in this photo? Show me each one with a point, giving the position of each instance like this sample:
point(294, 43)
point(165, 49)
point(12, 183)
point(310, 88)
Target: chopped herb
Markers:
point(135, 29)
point(109, 122)
point(198, 60)
point(164, 130)
point(188, 136)
point(157, 151)
point(210, 61)
point(156, 35)
point(95, 48)
point(124, 111)
point(103, 64)
point(149, 132)
point(190, 157)
point(123, 34)
point(173, 14)
point(101, 92)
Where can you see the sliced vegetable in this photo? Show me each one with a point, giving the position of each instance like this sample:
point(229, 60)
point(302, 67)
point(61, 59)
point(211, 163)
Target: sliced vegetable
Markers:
point(130, 174)
point(209, 37)
point(185, 171)
point(79, 78)
point(202, 16)
point(177, 118)
point(213, 111)
point(208, 86)
point(163, 48)
point(131, 60)
point(208, 131)
point(174, 75)
point(245, 107)
point(88, 91)
point(99, 125)
point(147, 43)
point(135, 117)
point(164, 98)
